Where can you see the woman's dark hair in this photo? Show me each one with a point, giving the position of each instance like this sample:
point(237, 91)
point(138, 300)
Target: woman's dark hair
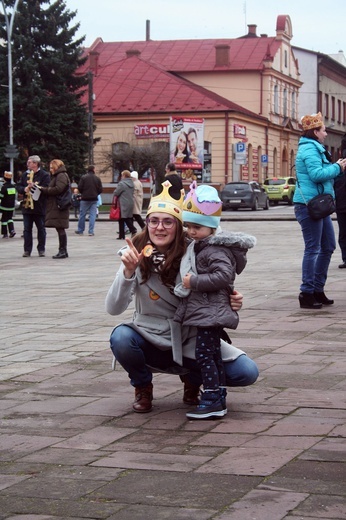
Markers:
point(171, 267)
point(311, 133)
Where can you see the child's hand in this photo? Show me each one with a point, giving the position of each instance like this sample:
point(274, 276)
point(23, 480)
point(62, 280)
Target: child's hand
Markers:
point(236, 300)
point(186, 281)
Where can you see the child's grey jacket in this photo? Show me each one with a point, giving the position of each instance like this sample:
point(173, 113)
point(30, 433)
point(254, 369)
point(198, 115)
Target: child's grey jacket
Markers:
point(219, 258)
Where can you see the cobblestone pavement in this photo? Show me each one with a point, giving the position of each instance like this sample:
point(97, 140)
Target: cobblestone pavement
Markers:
point(72, 449)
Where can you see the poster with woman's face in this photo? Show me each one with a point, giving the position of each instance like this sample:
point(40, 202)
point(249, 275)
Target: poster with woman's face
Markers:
point(187, 145)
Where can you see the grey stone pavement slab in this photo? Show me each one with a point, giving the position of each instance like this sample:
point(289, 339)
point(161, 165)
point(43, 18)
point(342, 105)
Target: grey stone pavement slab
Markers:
point(70, 446)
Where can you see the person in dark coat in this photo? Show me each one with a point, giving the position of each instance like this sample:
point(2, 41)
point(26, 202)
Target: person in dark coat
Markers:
point(174, 178)
point(125, 191)
point(90, 187)
point(33, 210)
point(7, 206)
point(55, 217)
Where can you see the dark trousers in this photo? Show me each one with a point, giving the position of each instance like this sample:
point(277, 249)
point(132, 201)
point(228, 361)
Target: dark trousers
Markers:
point(29, 219)
point(208, 357)
point(129, 223)
point(341, 218)
point(139, 220)
point(7, 222)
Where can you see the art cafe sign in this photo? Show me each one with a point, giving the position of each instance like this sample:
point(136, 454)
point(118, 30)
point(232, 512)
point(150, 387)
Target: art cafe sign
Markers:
point(146, 131)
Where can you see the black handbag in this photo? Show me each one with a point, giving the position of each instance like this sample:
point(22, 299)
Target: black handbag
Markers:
point(321, 206)
point(64, 199)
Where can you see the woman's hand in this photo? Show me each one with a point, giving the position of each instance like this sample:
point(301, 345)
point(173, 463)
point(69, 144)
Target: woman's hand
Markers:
point(130, 258)
point(342, 164)
point(236, 301)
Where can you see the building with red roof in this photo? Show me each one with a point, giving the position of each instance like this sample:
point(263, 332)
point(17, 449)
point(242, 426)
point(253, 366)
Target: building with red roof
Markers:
point(245, 90)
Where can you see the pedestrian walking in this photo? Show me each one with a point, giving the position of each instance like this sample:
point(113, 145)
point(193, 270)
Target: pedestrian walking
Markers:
point(90, 187)
point(137, 199)
point(124, 191)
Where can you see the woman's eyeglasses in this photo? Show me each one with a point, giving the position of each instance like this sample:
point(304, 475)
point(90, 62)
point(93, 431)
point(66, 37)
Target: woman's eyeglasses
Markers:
point(166, 223)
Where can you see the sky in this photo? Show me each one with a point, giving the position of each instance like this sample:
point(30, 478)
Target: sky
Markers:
point(318, 25)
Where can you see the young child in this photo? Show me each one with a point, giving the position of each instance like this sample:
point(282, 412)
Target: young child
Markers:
point(7, 206)
point(208, 271)
point(76, 198)
point(99, 203)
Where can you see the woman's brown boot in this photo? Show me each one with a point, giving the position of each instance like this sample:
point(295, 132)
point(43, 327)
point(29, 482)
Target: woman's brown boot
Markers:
point(191, 392)
point(143, 398)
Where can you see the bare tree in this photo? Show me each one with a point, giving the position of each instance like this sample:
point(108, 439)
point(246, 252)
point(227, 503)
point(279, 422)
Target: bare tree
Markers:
point(140, 158)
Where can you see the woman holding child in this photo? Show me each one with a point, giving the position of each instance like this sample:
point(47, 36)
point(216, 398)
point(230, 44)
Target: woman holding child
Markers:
point(152, 341)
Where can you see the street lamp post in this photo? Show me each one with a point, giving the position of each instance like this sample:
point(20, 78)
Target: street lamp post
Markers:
point(9, 28)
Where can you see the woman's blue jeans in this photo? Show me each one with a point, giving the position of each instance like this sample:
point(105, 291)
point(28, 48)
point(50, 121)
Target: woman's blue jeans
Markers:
point(319, 239)
point(134, 353)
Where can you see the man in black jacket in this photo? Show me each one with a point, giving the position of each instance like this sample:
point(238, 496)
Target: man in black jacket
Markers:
point(90, 187)
point(33, 210)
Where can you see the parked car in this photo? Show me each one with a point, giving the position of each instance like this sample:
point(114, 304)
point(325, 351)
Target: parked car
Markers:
point(243, 194)
point(280, 189)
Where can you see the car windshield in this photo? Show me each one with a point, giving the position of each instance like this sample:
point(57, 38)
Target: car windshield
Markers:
point(274, 182)
point(240, 186)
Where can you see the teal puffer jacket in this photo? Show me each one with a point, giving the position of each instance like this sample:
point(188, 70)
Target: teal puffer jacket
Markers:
point(313, 170)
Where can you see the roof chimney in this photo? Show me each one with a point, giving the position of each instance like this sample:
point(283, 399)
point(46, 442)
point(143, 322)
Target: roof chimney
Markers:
point(94, 61)
point(222, 55)
point(132, 52)
point(147, 30)
point(252, 29)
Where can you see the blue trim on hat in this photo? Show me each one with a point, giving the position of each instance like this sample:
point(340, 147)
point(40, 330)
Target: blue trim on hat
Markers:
point(201, 220)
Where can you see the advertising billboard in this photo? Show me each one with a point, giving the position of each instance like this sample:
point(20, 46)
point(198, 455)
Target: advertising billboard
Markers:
point(187, 146)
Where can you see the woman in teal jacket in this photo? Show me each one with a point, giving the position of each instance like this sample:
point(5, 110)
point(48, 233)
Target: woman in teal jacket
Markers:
point(315, 175)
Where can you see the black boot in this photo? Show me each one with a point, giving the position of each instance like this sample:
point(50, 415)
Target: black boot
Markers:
point(320, 297)
point(62, 247)
point(61, 254)
point(308, 301)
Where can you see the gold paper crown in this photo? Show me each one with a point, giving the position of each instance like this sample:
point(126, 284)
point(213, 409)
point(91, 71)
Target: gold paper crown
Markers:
point(313, 121)
point(164, 203)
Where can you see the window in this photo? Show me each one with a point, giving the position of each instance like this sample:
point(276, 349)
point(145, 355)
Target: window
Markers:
point(276, 99)
point(333, 108)
point(326, 106)
point(293, 105)
point(285, 102)
point(286, 60)
point(339, 111)
point(121, 159)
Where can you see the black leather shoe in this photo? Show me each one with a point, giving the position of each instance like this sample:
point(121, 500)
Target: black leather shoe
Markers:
point(62, 254)
point(308, 301)
point(320, 297)
point(342, 266)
